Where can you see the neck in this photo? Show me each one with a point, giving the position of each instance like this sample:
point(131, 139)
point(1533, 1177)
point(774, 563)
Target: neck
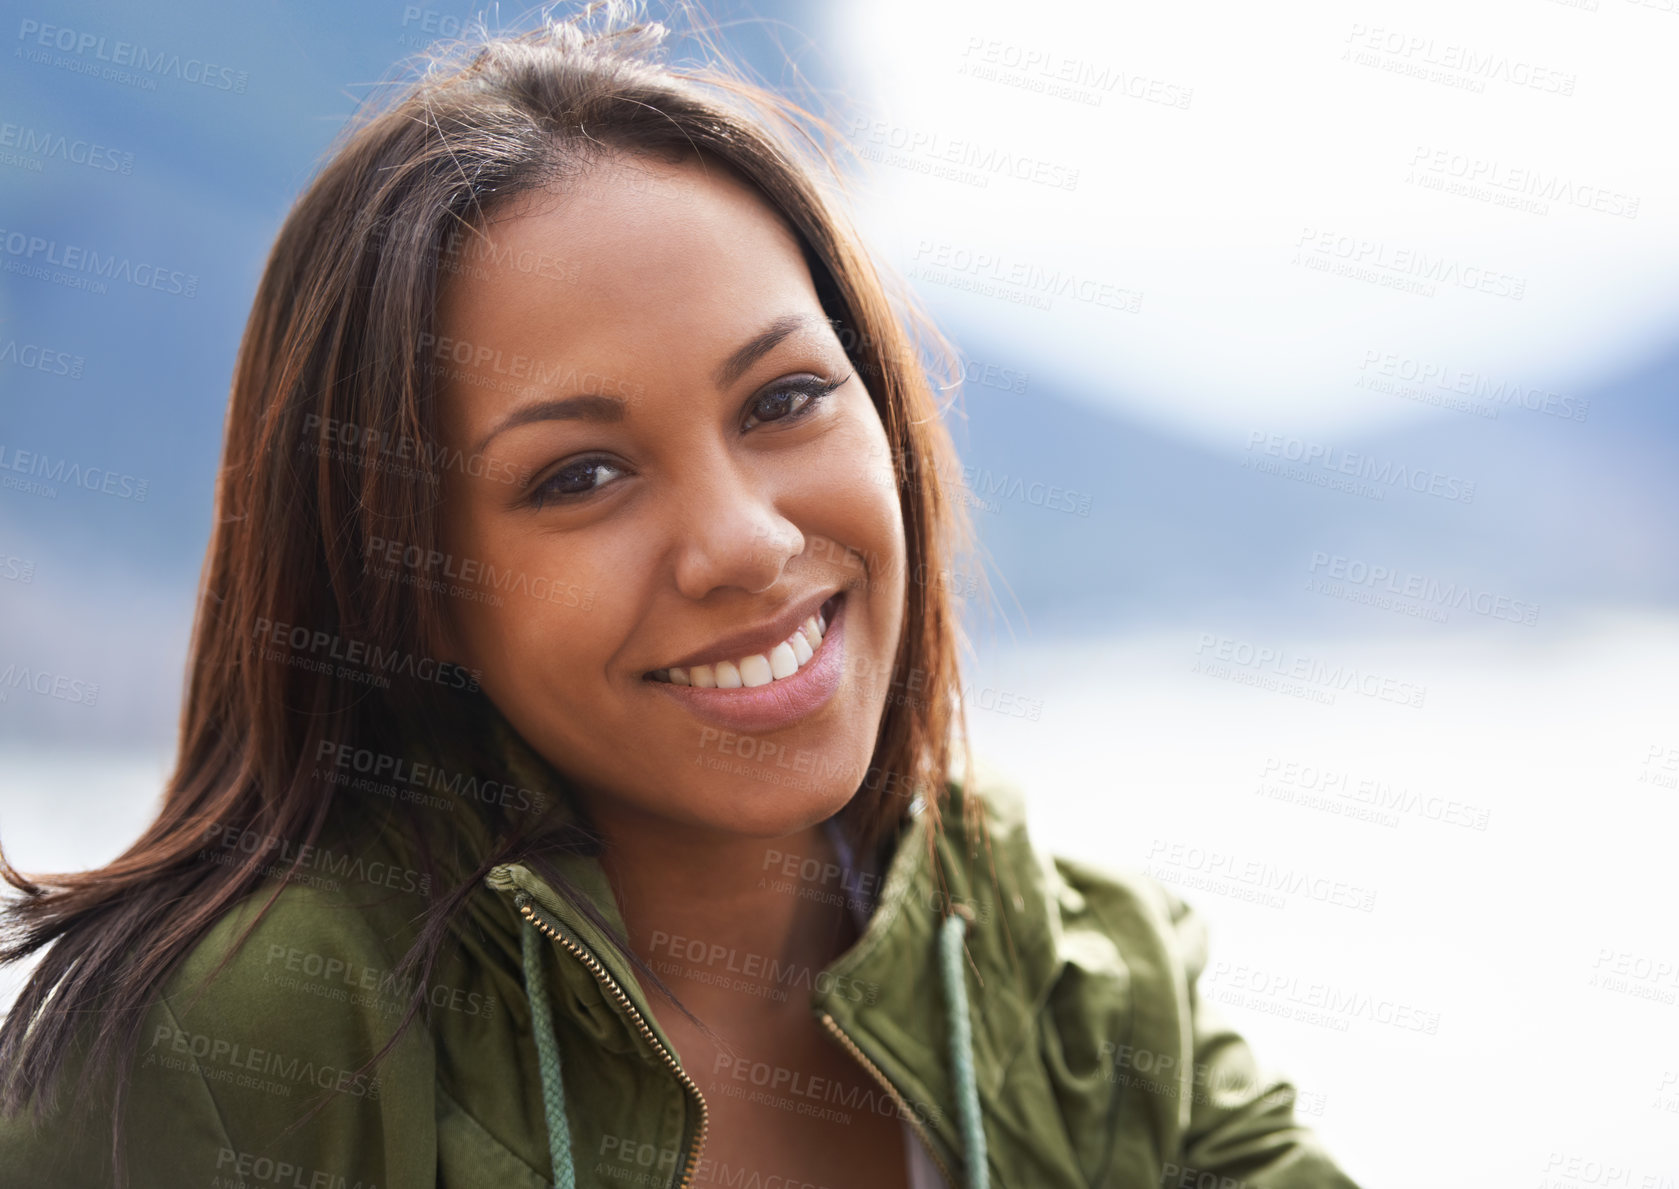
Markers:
point(732, 925)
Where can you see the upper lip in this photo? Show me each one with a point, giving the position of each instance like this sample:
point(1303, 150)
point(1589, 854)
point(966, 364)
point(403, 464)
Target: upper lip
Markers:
point(759, 639)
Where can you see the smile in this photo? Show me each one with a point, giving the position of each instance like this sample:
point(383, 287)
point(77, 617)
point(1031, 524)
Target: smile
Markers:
point(760, 668)
point(763, 691)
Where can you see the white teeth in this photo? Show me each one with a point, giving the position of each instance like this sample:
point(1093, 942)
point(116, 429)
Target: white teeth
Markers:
point(755, 671)
point(784, 660)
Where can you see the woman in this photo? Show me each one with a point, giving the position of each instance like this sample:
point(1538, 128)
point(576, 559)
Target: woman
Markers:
point(567, 791)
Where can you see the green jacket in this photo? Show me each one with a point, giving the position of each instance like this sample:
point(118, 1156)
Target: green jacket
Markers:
point(1087, 1053)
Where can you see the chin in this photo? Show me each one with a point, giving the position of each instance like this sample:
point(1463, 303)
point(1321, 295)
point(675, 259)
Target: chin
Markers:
point(775, 805)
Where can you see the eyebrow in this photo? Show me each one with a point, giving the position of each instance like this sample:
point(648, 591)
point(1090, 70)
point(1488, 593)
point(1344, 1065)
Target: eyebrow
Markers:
point(602, 410)
point(585, 406)
point(761, 344)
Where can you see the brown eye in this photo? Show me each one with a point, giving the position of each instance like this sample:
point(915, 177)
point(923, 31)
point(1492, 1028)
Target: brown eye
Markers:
point(575, 480)
point(791, 401)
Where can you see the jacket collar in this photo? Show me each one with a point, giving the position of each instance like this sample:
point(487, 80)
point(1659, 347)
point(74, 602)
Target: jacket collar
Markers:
point(883, 993)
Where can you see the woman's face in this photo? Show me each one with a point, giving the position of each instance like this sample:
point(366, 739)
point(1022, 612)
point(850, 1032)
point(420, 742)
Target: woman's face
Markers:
point(648, 465)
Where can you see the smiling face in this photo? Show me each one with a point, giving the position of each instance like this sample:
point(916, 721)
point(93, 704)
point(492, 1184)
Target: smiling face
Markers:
point(664, 467)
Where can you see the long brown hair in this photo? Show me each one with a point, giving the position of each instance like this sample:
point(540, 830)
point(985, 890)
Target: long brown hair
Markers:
point(344, 302)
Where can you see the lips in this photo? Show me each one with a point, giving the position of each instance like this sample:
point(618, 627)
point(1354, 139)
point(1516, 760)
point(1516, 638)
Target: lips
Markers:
point(756, 641)
point(781, 702)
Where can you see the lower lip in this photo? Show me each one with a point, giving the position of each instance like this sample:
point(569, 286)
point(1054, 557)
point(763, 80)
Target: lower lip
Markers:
point(780, 703)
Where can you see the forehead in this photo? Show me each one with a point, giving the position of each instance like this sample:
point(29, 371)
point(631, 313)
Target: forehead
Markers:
point(637, 259)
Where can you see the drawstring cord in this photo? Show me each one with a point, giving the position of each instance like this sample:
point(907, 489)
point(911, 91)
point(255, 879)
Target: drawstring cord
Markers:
point(962, 1046)
point(955, 981)
point(547, 1060)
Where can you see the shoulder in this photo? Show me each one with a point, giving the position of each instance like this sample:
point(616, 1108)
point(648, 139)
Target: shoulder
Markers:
point(257, 1049)
point(290, 962)
point(1078, 900)
point(286, 998)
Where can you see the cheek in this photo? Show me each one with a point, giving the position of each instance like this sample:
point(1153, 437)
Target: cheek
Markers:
point(858, 519)
point(516, 609)
point(861, 490)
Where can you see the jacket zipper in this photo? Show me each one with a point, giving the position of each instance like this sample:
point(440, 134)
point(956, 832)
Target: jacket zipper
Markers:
point(908, 1115)
point(536, 916)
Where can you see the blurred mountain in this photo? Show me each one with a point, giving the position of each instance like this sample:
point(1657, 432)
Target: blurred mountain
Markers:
point(1565, 514)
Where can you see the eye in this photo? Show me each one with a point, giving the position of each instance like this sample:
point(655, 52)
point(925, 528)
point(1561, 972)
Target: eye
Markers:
point(574, 481)
point(790, 401)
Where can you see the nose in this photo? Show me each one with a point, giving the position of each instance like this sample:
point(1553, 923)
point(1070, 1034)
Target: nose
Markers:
point(729, 532)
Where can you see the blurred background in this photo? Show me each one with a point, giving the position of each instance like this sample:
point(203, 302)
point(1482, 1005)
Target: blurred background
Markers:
point(1320, 419)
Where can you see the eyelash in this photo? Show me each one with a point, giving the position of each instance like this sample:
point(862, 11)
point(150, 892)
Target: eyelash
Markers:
point(814, 390)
